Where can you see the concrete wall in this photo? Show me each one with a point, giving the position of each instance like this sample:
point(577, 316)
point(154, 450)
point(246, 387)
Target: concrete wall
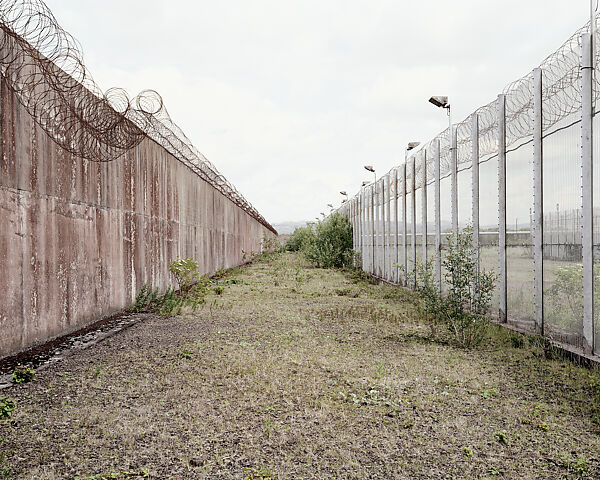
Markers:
point(78, 239)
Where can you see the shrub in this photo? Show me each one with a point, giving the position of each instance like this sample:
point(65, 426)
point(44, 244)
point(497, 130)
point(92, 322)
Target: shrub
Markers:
point(294, 243)
point(462, 310)
point(330, 245)
point(185, 272)
point(192, 291)
point(23, 375)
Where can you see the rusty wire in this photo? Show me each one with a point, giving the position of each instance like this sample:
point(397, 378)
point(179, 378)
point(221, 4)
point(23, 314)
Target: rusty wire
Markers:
point(43, 65)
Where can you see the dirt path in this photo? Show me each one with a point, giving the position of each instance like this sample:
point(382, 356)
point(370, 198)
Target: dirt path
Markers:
point(297, 373)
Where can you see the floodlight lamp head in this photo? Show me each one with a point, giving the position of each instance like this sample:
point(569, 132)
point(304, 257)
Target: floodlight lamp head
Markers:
point(344, 200)
point(369, 168)
point(412, 145)
point(343, 192)
point(365, 183)
point(440, 101)
point(330, 205)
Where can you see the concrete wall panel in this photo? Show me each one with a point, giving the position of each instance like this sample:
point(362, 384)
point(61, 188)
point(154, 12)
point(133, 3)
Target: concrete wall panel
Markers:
point(78, 239)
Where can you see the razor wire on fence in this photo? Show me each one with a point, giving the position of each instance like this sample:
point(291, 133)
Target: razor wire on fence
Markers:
point(521, 171)
point(43, 65)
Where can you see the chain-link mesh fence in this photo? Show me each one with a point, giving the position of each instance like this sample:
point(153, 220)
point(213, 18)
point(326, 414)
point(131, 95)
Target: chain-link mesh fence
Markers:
point(526, 194)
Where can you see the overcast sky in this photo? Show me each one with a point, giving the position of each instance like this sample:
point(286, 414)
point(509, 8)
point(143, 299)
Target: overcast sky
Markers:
point(289, 99)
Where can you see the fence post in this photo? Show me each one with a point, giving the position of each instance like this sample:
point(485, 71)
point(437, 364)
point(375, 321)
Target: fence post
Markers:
point(475, 183)
point(538, 203)
point(404, 227)
point(383, 229)
point(502, 208)
point(388, 182)
point(438, 223)
point(413, 195)
point(424, 209)
point(454, 180)
point(587, 152)
point(396, 256)
point(372, 228)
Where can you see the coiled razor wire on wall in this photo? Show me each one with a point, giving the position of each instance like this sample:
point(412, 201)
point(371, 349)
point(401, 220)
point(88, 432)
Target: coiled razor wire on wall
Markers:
point(43, 65)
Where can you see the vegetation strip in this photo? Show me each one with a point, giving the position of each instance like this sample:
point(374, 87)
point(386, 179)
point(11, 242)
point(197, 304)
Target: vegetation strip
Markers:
point(296, 372)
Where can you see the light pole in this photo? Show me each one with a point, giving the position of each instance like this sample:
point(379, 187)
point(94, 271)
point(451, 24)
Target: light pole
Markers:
point(370, 168)
point(442, 102)
point(409, 147)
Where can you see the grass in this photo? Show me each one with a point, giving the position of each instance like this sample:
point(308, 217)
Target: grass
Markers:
point(301, 373)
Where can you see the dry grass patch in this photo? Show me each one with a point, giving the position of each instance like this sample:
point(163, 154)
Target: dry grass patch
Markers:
point(300, 373)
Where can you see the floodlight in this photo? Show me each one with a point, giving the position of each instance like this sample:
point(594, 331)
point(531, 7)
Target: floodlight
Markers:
point(369, 168)
point(440, 101)
point(412, 145)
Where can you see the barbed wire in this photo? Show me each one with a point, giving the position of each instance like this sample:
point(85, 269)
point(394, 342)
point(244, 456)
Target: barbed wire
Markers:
point(43, 65)
point(561, 98)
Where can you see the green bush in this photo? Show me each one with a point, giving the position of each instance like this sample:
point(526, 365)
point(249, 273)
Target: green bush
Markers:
point(23, 375)
point(294, 243)
point(462, 310)
point(192, 291)
point(330, 243)
point(185, 271)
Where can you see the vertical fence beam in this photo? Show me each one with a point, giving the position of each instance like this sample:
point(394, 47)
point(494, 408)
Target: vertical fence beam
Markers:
point(396, 253)
point(453, 177)
point(360, 226)
point(438, 222)
point(390, 277)
point(404, 227)
point(372, 214)
point(413, 208)
point(383, 229)
point(502, 208)
point(424, 209)
point(379, 195)
point(538, 203)
point(475, 182)
point(587, 239)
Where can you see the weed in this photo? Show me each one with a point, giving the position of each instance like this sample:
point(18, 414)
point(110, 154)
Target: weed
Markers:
point(268, 424)
point(185, 354)
point(489, 392)
point(467, 451)
point(218, 290)
point(116, 475)
point(463, 308)
point(261, 473)
point(517, 340)
point(501, 437)
point(185, 272)
point(191, 294)
point(359, 276)
point(379, 371)
point(579, 466)
point(97, 371)
point(6, 407)
point(23, 375)
point(329, 245)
